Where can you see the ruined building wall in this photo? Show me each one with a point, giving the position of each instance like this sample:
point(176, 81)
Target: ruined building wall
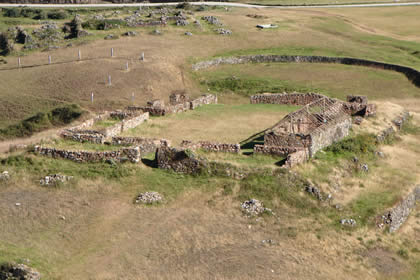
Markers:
point(212, 147)
point(131, 154)
point(327, 134)
point(146, 145)
point(286, 98)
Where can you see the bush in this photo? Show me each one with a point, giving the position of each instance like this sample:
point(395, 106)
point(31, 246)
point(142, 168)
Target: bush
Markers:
point(12, 12)
point(360, 144)
point(60, 14)
point(43, 120)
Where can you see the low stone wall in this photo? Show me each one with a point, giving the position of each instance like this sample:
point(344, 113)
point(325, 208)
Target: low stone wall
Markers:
point(296, 158)
point(122, 115)
point(411, 74)
point(212, 147)
point(385, 134)
point(158, 108)
point(274, 150)
point(396, 216)
point(134, 122)
point(180, 160)
point(146, 145)
point(127, 154)
point(286, 98)
point(92, 137)
point(90, 122)
point(202, 100)
point(287, 140)
point(401, 120)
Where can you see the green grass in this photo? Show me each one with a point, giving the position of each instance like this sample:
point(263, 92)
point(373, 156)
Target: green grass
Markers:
point(42, 120)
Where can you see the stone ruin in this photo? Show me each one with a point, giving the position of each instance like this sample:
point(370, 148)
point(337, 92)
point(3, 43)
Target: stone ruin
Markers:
point(149, 198)
point(55, 179)
point(81, 133)
point(302, 133)
point(4, 176)
point(254, 207)
point(131, 154)
point(18, 271)
point(211, 147)
point(178, 102)
point(146, 145)
point(180, 160)
point(321, 122)
point(395, 217)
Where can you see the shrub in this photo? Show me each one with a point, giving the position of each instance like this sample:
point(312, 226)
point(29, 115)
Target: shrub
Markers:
point(43, 120)
point(60, 14)
point(360, 144)
point(12, 12)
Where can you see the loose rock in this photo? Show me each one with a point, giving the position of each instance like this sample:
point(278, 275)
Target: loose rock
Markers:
point(254, 207)
point(11, 271)
point(149, 198)
point(348, 222)
point(4, 176)
point(52, 180)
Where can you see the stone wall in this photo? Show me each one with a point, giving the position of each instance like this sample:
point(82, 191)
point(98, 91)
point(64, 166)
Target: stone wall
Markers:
point(81, 134)
point(401, 120)
point(274, 150)
point(92, 137)
point(298, 141)
point(327, 134)
point(411, 74)
point(146, 145)
point(286, 98)
point(180, 160)
point(131, 154)
point(296, 158)
point(212, 147)
point(397, 215)
point(178, 104)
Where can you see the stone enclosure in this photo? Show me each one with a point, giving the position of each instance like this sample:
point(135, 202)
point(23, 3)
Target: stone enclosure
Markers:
point(321, 122)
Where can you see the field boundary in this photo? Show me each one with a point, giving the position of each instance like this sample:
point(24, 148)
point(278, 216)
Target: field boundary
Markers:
point(412, 75)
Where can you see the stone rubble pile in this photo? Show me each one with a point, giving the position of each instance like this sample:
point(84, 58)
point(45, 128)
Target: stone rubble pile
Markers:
point(52, 180)
point(314, 191)
point(212, 20)
point(223, 31)
point(182, 22)
point(348, 222)
point(149, 198)
point(254, 207)
point(4, 176)
point(11, 271)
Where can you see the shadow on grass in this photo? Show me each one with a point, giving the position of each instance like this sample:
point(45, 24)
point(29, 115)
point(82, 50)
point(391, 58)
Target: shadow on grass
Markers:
point(149, 162)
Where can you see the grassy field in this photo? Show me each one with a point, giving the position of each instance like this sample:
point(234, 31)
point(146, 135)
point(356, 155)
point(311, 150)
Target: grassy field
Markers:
point(219, 123)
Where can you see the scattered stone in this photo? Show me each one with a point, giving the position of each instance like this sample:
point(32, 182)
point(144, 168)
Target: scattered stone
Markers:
point(62, 217)
point(130, 33)
point(149, 198)
point(110, 37)
point(380, 154)
point(267, 26)
point(212, 20)
point(254, 207)
point(339, 207)
point(156, 32)
point(355, 159)
point(314, 191)
point(358, 120)
point(197, 23)
point(18, 204)
point(223, 31)
point(74, 28)
point(182, 22)
point(10, 271)
point(98, 17)
point(348, 222)
point(52, 180)
point(4, 176)
point(188, 34)
point(268, 241)
point(364, 167)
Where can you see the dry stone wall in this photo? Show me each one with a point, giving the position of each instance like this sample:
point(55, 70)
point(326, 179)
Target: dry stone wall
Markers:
point(212, 147)
point(411, 74)
point(274, 150)
point(180, 160)
point(396, 216)
point(328, 134)
point(131, 154)
point(286, 98)
point(146, 145)
point(92, 137)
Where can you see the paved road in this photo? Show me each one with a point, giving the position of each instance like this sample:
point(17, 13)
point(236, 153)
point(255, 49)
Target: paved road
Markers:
point(229, 4)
